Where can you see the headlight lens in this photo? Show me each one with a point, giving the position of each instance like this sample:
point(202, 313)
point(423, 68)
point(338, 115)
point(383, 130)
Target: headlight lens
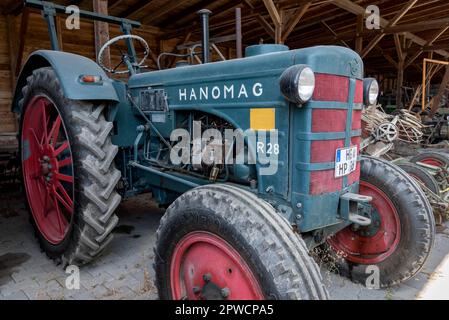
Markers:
point(298, 83)
point(370, 91)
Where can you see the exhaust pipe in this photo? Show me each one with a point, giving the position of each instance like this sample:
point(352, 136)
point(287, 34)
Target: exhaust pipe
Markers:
point(204, 14)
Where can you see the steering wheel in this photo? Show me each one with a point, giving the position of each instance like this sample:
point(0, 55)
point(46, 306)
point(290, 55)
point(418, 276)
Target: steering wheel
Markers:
point(113, 41)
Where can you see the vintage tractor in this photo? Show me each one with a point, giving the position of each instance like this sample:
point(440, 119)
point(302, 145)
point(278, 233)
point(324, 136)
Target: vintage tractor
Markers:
point(256, 160)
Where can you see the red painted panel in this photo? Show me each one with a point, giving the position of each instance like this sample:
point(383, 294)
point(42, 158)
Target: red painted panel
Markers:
point(324, 181)
point(357, 120)
point(358, 96)
point(329, 87)
point(324, 150)
point(328, 120)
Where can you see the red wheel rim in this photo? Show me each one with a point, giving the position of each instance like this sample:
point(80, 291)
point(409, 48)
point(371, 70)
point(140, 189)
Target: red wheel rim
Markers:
point(47, 169)
point(202, 259)
point(433, 162)
point(375, 248)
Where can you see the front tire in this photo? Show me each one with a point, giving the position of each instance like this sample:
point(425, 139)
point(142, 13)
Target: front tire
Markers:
point(401, 236)
point(67, 159)
point(221, 242)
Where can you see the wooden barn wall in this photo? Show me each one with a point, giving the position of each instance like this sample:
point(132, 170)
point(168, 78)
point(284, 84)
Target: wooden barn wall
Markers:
point(75, 41)
point(7, 119)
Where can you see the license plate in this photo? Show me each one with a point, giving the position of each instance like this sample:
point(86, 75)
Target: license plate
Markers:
point(345, 161)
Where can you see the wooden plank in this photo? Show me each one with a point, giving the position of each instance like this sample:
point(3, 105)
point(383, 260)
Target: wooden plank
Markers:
point(22, 37)
point(273, 11)
point(101, 30)
point(168, 7)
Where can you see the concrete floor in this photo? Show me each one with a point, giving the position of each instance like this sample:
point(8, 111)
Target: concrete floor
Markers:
point(125, 271)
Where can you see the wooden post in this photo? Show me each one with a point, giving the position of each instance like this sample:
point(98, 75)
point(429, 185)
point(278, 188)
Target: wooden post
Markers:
point(101, 31)
point(359, 37)
point(238, 32)
point(399, 84)
point(441, 91)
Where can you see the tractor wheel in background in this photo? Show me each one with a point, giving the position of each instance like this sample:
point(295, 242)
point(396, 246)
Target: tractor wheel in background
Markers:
point(222, 242)
point(438, 160)
point(402, 232)
point(68, 172)
point(421, 175)
point(433, 158)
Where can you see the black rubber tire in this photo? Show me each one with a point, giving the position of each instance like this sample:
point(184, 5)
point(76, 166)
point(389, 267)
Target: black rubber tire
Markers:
point(95, 174)
point(417, 226)
point(265, 240)
point(422, 175)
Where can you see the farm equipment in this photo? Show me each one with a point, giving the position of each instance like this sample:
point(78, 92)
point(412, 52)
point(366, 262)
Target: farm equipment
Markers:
point(256, 159)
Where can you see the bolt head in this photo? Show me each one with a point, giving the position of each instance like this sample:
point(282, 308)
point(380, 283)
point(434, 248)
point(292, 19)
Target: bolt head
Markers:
point(298, 216)
point(225, 292)
point(46, 158)
point(207, 277)
point(299, 205)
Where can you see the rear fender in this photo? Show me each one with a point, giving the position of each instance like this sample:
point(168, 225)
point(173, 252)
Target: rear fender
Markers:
point(68, 67)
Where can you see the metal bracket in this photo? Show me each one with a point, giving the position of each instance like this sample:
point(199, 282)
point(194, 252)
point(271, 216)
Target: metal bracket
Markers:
point(351, 204)
point(49, 14)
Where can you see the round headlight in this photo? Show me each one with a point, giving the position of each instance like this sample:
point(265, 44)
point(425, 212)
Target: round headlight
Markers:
point(298, 83)
point(370, 91)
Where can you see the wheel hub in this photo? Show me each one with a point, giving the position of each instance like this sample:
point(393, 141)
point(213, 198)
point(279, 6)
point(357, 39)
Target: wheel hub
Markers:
point(211, 290)
point(206, 267)
point(376, 242)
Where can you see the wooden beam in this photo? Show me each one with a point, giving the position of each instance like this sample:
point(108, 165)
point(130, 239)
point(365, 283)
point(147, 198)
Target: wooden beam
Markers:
point(419, 26)
point(398, 45)
point(356, 9)
point(101, 30)
point(273, 11)
point(262, 21)
point(434, 38)
point(295, 20)
point(391, 23)
point(334, 34)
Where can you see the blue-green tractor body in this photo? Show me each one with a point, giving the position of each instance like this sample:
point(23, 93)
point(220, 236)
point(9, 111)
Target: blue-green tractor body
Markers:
point(230, 90)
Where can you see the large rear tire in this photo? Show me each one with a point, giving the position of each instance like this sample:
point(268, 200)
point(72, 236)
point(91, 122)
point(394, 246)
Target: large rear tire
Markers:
point(222, 242)
point(68, 170)
point(401, 236)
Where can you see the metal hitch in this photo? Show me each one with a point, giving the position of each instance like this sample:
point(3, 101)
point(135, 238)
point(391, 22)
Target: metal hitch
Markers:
point(351, 204)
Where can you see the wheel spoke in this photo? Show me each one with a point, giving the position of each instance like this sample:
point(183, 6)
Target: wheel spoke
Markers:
point(46, 202)
point(65, 162)
point(44, 122)
point(54, 132)
point(58, 214)
point(36, 139)
point(64, 177)
point(64, 197)
point(61, 148)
